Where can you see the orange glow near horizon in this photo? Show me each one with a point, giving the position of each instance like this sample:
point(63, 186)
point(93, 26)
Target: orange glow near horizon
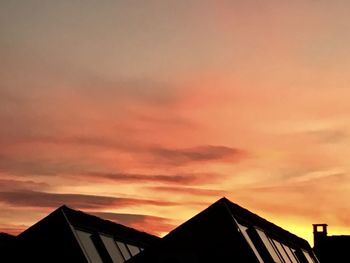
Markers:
point(147, 113)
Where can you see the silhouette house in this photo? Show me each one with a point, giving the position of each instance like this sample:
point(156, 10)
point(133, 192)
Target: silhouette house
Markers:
point(67, 235)
point(224, 232)
point(6, 244)
point(330, 248)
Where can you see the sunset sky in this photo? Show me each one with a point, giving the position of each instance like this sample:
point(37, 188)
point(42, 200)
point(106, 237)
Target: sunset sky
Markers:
point(146, 112)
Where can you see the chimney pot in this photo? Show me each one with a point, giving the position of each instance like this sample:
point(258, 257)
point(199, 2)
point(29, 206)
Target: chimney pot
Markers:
point(320, 233)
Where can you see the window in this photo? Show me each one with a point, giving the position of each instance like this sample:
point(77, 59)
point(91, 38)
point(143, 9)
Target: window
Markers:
point(291, 255)
point(276, 258)
point(133, 250)
point(314, 257)
point(243, 230)
point(308, 257)
point(296, 254)
point(112, 248)
point(282, 252)
point(124, 250)
point(88, 246)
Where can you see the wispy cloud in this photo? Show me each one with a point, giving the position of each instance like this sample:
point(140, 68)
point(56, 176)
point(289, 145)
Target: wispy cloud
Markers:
point(312, 196)
point(189, 190)
point(12, 229)
point(54, 200)
point(205, 153)
point(10, 185)
point(38, 166)
point(137, 89)
point(329, 136)
point(177, 179)
point(91, 171)
point(151, 224)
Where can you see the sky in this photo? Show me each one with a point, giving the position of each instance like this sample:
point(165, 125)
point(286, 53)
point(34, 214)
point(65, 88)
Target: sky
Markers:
point(146, 112)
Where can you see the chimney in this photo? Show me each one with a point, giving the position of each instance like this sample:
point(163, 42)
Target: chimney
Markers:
point(320, 234)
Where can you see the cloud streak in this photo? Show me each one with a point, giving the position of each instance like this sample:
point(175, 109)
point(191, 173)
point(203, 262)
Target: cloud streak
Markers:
point(177, 179)
point(81, 201)
point(15, 185)
point(12, 228)
point(151, 224)
point(34, 166)
point(190, 191)
point(205, 153)
point(309, 196)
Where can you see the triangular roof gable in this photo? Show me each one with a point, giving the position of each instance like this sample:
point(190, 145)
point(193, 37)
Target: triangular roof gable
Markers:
point(57, 234)
point(93, 223)
point(210, 236)
point(50, 240)
point(270, 239)
point(221, 215)
point(68, 216)
point(250, 219)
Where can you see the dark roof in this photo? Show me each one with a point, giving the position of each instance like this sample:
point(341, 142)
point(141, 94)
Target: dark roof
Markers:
point(248, 218)
point(6, 238)
point(214, 235)
point(57, 234)
point(343, 238)
point(331, 248)
point(7, 244)
point(93, 223)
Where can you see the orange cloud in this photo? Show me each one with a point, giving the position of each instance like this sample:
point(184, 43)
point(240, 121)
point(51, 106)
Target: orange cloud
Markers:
point(53, 200)
point(150, 224)
point(238, 96)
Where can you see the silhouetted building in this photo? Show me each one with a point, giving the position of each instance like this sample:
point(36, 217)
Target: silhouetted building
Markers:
point(6, 239)
point(7, 244)
point(226, 232)
point(330, 248)
point(67, 235)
